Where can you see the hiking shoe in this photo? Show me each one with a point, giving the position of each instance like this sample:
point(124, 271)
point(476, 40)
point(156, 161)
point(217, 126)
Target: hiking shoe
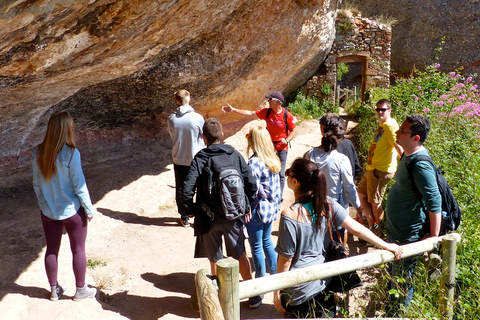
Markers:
point(184, 222)
point(375, 228)
point(57, 292)
point(254, 302)
point(84, 293)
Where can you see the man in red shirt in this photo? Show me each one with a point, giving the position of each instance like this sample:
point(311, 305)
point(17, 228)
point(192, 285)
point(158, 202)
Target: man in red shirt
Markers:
point(280, 125)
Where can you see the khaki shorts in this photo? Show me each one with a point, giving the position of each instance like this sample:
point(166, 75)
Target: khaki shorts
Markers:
point(374, 184)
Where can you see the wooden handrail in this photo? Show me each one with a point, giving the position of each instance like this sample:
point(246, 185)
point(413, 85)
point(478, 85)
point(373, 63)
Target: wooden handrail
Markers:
point(288, 279)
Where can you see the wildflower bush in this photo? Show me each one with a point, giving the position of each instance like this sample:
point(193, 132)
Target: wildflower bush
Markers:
point(311, 107)
point(452, 103)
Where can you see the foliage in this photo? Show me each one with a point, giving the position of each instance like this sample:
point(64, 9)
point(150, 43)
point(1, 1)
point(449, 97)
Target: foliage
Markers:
point(95, 263)
point(344, 25)
point(342, 69)
point(311, 107)
point(326, 89)
point(452, 103)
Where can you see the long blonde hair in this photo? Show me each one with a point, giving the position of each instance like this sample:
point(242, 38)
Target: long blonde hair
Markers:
point(59, 133)
point(260, 142)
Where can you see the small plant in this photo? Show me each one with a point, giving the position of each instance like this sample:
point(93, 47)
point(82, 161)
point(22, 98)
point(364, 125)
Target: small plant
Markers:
point(342, 69)
point(345, 24)
point(95, 263)
point(326, 89)
point(386, 20)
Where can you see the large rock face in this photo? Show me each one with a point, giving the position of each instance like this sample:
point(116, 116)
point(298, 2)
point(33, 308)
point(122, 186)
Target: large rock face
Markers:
point(114, 65)
point(421, 26)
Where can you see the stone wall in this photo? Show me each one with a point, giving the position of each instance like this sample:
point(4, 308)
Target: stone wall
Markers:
point(357, 39)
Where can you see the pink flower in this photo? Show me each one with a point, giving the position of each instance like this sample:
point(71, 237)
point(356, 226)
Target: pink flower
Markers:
point(469, 79)
point(419, 88)
point(415, 98)
point(426, 110)
point(452, 74)
point(437, 66)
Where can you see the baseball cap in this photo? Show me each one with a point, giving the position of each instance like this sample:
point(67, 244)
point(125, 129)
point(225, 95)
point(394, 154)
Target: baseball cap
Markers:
point(276, 95)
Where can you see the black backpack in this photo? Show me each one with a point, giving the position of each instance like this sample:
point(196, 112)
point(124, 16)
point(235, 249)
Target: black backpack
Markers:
point(224, 189)
point(451, 214)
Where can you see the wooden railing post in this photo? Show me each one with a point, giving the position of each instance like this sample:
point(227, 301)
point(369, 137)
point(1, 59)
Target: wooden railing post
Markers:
point(228, 288)
point(207, 294)
point(447, 282)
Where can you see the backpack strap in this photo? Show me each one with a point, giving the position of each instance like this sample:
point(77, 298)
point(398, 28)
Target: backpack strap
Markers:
point(285, 114)
point(411, 166)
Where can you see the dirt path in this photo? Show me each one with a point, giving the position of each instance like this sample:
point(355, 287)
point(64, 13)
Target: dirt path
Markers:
point(146, 268)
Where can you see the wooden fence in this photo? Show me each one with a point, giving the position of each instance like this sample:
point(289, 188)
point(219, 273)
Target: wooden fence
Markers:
point(344, 95)
point(224, 303)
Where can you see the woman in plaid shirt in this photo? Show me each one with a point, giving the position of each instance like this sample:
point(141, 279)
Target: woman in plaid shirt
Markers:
point(265, 166)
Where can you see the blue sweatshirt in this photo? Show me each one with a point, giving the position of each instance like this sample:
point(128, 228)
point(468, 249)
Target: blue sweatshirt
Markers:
point(63, 195)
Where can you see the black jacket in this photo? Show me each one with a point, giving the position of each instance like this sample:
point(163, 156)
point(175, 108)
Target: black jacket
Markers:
point(193, 182)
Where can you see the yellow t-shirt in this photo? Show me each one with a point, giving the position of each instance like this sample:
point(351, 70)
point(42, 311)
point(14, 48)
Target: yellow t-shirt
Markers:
point(382, 152)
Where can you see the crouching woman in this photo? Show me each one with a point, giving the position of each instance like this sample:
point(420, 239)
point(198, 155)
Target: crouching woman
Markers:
point(302, 240)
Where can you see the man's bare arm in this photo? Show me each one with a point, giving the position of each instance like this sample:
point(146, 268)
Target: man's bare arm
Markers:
point(229, 108)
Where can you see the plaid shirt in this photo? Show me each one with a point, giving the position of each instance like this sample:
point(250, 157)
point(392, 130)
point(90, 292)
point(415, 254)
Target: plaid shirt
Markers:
point(269, 195)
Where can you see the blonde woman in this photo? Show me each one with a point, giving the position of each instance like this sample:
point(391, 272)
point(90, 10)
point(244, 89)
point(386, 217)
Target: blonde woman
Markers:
point(265, 166)
point(64, 201)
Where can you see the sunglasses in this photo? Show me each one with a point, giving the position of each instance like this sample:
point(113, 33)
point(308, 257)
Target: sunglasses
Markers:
point(401, 131)
point(381, 109)
point(289, 173)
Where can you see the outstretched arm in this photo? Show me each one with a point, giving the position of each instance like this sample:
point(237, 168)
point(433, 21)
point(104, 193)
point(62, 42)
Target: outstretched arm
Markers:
point(229, 108)
point(360, 231)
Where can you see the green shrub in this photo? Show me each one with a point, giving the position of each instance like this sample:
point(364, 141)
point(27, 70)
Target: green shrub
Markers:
point(311, 107)
point(342, 69)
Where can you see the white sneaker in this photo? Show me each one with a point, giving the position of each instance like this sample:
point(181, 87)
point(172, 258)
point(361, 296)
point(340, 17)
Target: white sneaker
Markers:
point(84, 293)
point(57, 292)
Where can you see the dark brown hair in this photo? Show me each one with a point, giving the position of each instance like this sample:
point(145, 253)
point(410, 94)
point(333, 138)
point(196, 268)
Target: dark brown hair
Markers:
point(313, 185)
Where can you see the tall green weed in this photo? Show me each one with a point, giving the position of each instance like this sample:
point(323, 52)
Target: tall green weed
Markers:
point(311, 107)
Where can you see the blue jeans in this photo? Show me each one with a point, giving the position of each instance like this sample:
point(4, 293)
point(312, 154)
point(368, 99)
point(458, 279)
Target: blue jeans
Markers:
point(283, 160)
point(260, 239)
point(404, 269)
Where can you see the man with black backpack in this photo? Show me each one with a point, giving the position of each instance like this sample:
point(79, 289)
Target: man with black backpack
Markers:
point(280, 125)
point(414, 206)
point(225, 187)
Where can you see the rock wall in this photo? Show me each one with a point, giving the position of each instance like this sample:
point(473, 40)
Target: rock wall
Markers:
point(420, 26)
point(115, 64)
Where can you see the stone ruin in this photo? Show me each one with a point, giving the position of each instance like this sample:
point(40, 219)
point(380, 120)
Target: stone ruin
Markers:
point(364, 46)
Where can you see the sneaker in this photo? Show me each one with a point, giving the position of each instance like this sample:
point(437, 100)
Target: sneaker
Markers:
point(57, 292)
point(184, 222)
point(375, 228)
point(84, 293)
point(255, 302)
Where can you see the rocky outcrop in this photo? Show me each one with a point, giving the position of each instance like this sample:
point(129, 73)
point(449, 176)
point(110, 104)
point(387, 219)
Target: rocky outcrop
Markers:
point(115, 64)
point(420, 27)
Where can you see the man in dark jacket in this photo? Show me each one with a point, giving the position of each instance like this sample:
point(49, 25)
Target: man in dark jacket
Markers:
point(209, 232)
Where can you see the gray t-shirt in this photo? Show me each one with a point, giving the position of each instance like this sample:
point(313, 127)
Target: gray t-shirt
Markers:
point(305, 244)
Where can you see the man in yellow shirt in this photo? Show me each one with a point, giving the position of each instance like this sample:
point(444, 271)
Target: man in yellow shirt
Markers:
point(381, 166)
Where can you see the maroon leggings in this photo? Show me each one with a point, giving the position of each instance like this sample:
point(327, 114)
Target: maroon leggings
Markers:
point(76, 227)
